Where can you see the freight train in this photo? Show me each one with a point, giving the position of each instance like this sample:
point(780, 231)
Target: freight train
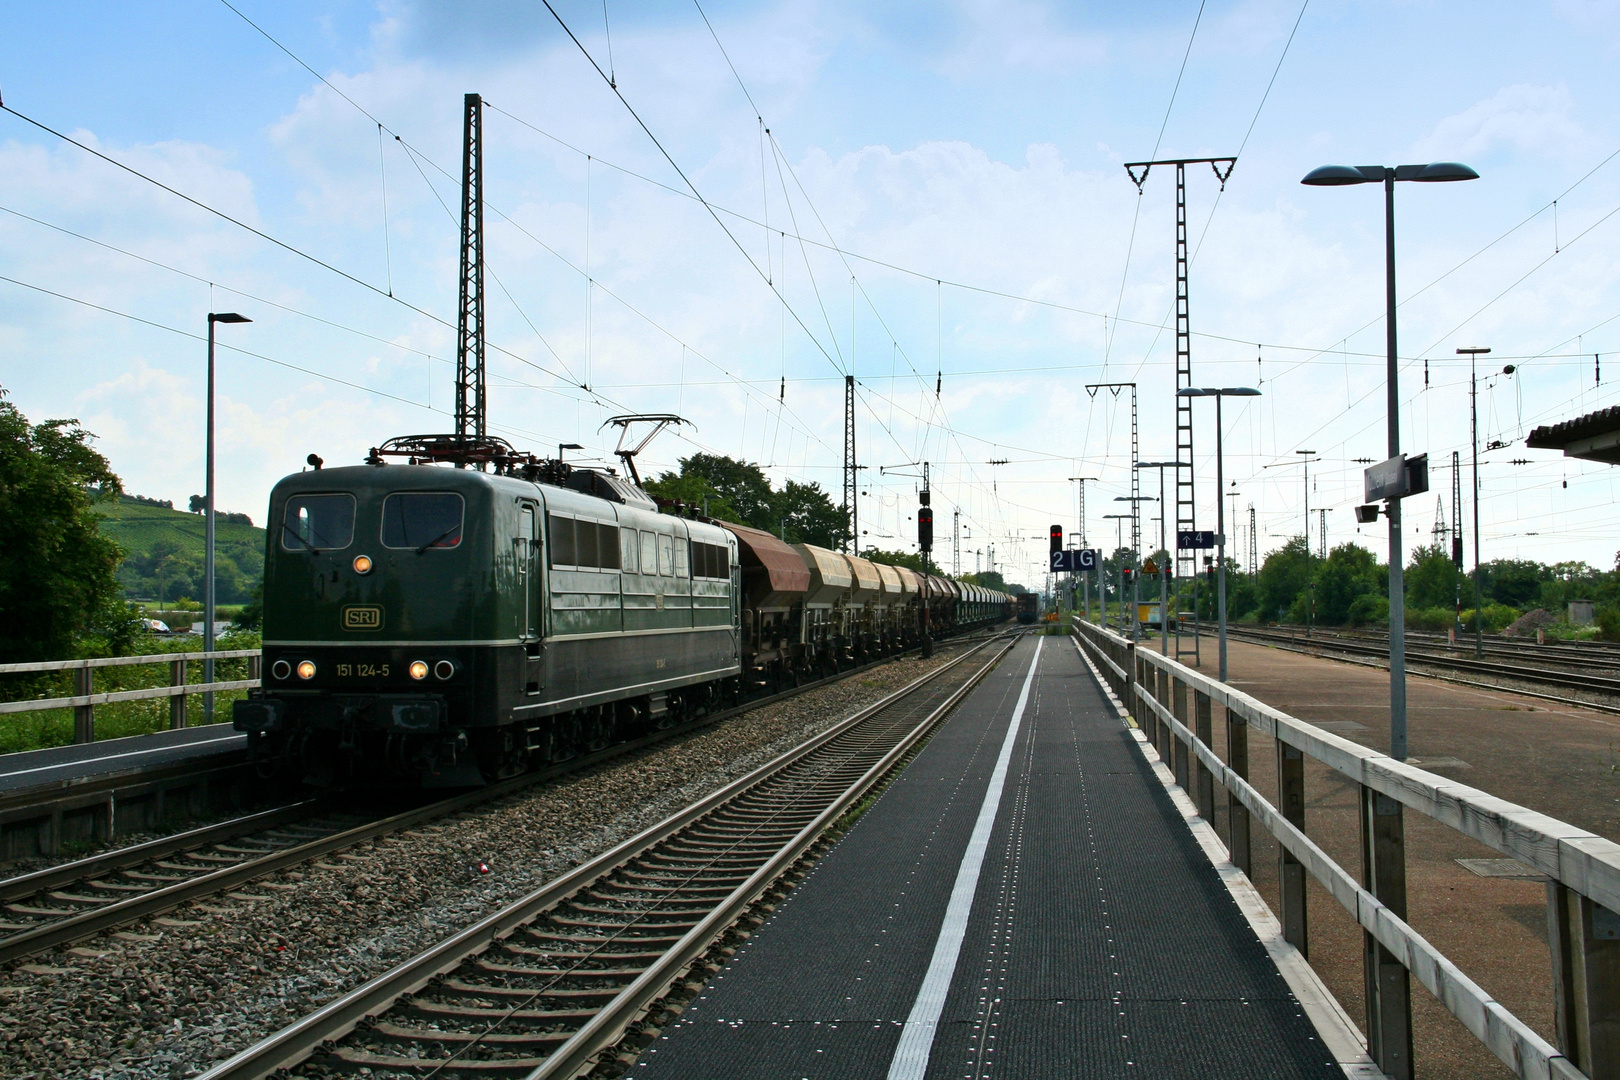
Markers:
point(432, 624)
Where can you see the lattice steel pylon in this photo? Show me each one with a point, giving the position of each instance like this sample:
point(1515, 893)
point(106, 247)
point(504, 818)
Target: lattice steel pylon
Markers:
point(470, 323)
point(1186, 510)
point(850, 466)
point(1136, 455)
point(1254, 547)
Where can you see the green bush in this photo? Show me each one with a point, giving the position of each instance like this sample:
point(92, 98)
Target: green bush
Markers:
point(1608, 623)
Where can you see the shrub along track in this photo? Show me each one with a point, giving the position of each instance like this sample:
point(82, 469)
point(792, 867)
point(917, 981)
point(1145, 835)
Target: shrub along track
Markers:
point(555, 980)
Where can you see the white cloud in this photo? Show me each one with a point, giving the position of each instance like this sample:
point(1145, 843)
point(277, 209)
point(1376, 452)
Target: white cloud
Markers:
point(1523, 118)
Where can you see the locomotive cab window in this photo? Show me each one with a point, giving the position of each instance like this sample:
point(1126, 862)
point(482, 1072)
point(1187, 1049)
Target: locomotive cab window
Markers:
point(318, 522)
point(422, 520)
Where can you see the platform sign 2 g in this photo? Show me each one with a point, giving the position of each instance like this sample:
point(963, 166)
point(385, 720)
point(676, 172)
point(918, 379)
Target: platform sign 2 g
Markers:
point(1074, 560)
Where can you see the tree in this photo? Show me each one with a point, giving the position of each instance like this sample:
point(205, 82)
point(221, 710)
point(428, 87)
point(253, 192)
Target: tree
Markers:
point(1282, 580)
point(1431, 580)
point(58, 583)
point(742, 484)
point(1350, 572)
point(739, 491)
point(911, 560)
point(807, 516)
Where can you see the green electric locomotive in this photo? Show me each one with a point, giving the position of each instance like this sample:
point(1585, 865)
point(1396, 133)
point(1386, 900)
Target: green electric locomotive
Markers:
point(445, 626)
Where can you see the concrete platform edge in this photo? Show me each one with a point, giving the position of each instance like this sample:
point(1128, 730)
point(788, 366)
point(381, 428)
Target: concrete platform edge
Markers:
point(1337, 1031)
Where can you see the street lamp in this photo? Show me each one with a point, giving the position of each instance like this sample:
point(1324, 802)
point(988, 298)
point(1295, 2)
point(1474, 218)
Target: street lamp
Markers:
point(1336, 176)
point(1390, 1017)
point(208, 520)
point(1119, 542)
point(1164, 571)
point(1136, 583)
point(1220, 506)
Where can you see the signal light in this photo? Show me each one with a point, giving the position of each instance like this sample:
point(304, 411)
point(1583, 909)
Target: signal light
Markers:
point(362, 564)
point(925, 527)
point(419, 670)
point(443, 670)
point(1057, 539)
point(306, 669)
point(281, 669)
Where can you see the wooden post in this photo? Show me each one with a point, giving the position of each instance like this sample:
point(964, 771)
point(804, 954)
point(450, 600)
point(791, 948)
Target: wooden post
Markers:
point(1388, 984)
point(84, 716)
point(1178, 749)
point(177, 704)
point(1585, 942)
point(1290, 871)
point(1204, 728)
point(1237, 815)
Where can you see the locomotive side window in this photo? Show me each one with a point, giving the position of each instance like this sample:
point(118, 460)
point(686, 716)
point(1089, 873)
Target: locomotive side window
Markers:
point(562, 540)
point(585, 547)
point(666, 555)
point(318, 522)
point(649, 553)
point(710, 560)
point(680, 561)
point(627, 550)
point(608, 545)
point(422, 520)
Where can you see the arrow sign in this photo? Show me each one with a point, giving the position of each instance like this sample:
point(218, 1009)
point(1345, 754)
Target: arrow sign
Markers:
point(1195, 539)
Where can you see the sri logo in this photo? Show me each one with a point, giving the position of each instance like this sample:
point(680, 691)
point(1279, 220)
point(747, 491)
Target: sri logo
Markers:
point(364, 617)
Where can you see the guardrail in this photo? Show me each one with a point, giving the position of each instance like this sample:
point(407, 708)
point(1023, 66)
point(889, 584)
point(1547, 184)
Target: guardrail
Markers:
point(84, 699)
point(1174, 706)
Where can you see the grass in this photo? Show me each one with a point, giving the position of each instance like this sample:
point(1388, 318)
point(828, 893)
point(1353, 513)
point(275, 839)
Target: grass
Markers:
point(54, 727)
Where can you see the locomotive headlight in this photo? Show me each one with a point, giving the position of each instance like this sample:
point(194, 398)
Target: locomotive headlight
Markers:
point(443, 670)
point(419, 669)
point(362, 564)
point(306, 669)
point(281, 669)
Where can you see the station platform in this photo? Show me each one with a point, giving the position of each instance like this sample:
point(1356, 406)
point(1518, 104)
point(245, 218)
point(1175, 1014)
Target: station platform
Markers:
point(66, 764)
point(1026, 899)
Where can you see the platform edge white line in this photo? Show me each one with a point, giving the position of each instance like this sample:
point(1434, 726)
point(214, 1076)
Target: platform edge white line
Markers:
point(911, 1053)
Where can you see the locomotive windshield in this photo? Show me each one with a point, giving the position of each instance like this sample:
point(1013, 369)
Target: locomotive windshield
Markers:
point(318, 522)
point(420, 520)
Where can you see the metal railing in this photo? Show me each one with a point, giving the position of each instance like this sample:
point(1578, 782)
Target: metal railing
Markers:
point(1174, 705)
point(84, 698)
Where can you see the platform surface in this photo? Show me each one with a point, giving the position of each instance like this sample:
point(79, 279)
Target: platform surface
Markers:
point(1096, 940)
point(60, 764)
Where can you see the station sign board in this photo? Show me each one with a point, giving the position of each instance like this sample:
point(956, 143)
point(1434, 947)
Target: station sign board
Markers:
point(1195, 539)
point(1396, 478)
point(1073, 560)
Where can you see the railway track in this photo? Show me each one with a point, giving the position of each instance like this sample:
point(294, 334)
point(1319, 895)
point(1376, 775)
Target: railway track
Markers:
point(74, 901)
point(554, 981)
point(1554, 672)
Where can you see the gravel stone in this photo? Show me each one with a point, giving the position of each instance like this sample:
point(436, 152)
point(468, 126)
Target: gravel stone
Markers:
point(168, 997)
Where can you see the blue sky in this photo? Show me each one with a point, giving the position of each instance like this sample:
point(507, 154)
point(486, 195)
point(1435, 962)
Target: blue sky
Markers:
point(963, 144)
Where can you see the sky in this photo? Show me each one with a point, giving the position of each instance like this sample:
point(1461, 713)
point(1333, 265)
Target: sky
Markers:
point(769, 197)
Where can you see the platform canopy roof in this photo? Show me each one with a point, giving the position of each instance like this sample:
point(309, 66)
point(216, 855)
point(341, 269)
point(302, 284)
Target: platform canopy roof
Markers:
point(1595, 436)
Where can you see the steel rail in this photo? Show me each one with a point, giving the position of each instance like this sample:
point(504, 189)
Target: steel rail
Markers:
point(339, 1017)
point(1568, 680)
point(108, 916)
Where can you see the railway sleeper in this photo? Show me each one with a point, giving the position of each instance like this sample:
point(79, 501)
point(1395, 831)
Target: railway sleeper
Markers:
point(348, 1059)
point(383, 1029)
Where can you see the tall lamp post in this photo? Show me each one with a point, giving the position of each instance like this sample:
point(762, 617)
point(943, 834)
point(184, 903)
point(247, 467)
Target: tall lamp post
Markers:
point(1136, 576)
point(1473, 354)
point(1219, 393)
point(1119, 542)
point(1389, 1008)
point(208, 520)
point(1164, 571)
